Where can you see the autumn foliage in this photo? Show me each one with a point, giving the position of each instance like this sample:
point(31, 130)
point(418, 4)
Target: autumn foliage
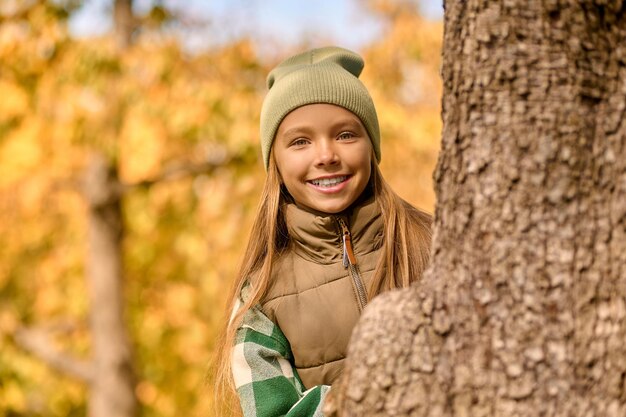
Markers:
point(152, 109)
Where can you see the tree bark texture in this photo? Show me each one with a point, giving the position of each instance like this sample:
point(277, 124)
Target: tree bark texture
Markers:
point(523, 310)
point(112, 388)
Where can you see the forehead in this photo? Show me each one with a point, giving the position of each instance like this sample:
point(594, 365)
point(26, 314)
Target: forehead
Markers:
point(316, 115)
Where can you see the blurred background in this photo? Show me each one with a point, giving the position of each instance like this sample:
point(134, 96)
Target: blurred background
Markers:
point(170, 94)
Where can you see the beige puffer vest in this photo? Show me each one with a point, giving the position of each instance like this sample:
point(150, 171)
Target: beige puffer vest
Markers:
point(319, 285)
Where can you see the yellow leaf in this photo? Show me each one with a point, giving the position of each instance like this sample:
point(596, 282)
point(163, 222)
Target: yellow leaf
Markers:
point(20, 152)
point(14, 101)
point(141, 147)
point(12, 397)
point(146, 392)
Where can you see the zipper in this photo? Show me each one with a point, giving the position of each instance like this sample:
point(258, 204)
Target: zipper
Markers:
point(349, 261)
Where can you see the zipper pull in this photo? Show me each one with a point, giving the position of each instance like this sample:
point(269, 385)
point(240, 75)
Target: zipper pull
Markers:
point(348, 253)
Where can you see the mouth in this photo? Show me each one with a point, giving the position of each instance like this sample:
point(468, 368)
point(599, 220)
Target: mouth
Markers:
point(329, 182)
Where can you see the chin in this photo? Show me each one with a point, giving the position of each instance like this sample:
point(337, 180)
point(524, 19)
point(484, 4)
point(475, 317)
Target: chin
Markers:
point(333, 209)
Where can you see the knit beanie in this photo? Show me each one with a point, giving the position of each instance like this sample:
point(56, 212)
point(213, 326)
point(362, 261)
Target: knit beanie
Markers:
point(324, 75)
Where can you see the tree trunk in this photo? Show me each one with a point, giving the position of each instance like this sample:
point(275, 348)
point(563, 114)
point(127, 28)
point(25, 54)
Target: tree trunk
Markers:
point(124, 22)
point(112, 390)
point(523, 310)
point(112, 385)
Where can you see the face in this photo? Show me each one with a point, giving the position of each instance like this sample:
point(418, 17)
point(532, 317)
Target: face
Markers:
point(323, 154)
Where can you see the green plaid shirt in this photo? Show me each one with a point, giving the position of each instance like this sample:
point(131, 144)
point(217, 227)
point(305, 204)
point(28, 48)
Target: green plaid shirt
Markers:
point(266, 381)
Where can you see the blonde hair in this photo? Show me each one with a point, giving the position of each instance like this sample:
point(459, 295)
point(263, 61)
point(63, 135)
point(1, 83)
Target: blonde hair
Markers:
point(405, 254)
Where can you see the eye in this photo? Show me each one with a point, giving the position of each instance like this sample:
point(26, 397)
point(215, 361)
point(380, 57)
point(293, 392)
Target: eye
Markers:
point(346, 135)
point(299, 142)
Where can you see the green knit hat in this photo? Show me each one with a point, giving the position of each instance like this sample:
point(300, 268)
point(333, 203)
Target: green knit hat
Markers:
point(324, 75)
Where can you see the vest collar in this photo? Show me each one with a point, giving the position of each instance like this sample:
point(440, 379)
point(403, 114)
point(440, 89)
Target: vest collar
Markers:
point(317, 236)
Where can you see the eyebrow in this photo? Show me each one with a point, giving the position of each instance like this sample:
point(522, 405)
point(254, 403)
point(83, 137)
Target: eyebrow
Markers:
point(295, 130)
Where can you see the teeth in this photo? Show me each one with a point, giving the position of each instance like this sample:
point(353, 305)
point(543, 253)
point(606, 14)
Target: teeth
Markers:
point(329, 182)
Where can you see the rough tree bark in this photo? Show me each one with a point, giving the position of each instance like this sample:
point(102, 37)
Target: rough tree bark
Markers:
point(523, 310)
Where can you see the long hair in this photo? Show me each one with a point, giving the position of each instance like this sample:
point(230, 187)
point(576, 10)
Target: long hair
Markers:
point(405, 253)
point(268, 238)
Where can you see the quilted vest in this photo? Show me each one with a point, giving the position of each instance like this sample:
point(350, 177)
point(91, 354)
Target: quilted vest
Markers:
point(319, 285)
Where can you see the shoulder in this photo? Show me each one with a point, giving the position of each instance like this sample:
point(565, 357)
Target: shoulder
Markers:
point(256, 326)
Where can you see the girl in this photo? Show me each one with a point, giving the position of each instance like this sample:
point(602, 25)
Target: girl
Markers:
point(329, 235)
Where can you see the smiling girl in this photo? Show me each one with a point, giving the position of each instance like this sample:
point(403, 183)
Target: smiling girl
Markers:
point(329, 235)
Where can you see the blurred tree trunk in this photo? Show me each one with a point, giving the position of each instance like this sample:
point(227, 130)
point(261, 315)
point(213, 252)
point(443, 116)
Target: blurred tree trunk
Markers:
point(523, 310)
point(112, 387)
point(124, 22)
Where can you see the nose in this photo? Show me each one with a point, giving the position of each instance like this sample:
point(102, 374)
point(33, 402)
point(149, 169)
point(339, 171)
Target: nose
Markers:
point(326, 154)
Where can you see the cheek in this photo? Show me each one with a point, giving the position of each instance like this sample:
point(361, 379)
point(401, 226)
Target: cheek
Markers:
point(284, 172)
point(363, 161)
point(287, 177)
point(290, 167)
point(280, 165)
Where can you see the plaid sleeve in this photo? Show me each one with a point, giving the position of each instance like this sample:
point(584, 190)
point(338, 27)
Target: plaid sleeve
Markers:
point(266, 381)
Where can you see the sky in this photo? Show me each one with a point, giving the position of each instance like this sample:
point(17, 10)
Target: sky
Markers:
point(284, 22)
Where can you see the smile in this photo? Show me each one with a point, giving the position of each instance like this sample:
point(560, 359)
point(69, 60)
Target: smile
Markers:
point(329, 182)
